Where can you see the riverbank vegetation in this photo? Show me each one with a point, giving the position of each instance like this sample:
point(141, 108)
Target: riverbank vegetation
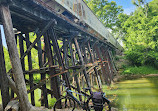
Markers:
point(141, 70)
point(141, 34)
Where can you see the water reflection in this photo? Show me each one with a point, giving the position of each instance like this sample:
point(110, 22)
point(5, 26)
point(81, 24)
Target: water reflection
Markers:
point(136, 95)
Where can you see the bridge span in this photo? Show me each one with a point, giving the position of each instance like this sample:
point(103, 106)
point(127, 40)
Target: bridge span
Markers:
point(71, 44)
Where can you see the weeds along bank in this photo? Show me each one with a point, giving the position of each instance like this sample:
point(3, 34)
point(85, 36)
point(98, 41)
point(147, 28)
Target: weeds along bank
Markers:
point(128, 71)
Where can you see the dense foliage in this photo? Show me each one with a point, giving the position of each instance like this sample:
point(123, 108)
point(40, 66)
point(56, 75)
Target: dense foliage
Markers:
point(138, 31)
point(141, 35)
point(107, 12)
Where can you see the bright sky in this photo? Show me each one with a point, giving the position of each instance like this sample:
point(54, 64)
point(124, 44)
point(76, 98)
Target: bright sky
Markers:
point(127, 5)
point(3, 38)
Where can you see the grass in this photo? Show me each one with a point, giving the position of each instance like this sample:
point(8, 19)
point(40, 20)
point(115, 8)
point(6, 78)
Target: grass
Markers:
point(37, 92)
point(142, 70)
point(51, 101)
point(37, 96)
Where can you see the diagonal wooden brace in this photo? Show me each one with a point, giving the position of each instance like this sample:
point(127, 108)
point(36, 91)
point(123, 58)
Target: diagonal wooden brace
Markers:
point(39, 36)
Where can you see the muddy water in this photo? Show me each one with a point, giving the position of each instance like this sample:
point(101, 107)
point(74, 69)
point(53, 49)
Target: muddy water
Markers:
point(136, 95)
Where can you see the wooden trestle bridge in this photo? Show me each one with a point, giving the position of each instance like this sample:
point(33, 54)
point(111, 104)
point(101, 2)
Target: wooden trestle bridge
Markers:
point(72, 44)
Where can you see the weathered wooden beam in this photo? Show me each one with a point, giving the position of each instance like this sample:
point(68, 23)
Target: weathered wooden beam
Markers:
point(41, 70)
point(42, 82)
point(21, 45)
point(84, 42)
point(107, 64)
point(75, 67)
point(94, 65)
point(84, 54)
point(80, 66)
point(81, 91)
point(94, 54)
point(112, 61)
point(36, 71)
point(39, 35)
point(89, 65)
point(37, 86)
point(95, 43)
point(65, 50)
point(54, 81)
point(77, 72)
point(3, 77)
point(111, 68)
point(92, 60)
point(13, 87)
point(74, 70)
point(14, 57)
point(44, 55)
point(99, 54)
point(25, 39)
point(82, 63)
point(43, 76)
point(30, 68)
point(58, 54)
point(67, 54)
point(48, 90)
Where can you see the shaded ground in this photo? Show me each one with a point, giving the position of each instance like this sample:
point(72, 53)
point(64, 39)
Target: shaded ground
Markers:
point(1, 108)
point(152, 75)
point(43, 109)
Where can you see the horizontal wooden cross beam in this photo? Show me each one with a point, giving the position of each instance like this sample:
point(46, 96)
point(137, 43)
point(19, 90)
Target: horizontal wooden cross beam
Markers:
point(41, 70)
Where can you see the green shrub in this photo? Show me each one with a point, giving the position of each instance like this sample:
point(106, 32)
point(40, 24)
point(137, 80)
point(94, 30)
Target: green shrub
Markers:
point(51, 101)
point(140, 70)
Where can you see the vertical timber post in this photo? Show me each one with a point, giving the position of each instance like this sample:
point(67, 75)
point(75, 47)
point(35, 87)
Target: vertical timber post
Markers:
point(30, 68)
point(65, 49)
point(95, 69)
point(21, 45)
point(107, 65)
point(14, 57)
point(54, 81)
point(74, 70)
point(110, 63)
point(44, 98)
point(3, 77)
point(58, 54)
point(82, 63)
point(85, 54)
point(102, 65)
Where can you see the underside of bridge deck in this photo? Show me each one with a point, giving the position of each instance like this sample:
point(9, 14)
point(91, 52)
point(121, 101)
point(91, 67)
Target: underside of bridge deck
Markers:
point(65, 50)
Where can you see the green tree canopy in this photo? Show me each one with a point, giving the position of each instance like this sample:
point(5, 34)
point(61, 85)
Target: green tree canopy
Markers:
point(141, 35)
point(107, 12)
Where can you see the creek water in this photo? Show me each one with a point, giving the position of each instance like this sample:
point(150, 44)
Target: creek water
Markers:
point(135, 95)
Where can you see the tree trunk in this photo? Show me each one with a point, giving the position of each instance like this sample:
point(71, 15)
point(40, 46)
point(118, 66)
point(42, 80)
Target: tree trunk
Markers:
point(14, 58)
